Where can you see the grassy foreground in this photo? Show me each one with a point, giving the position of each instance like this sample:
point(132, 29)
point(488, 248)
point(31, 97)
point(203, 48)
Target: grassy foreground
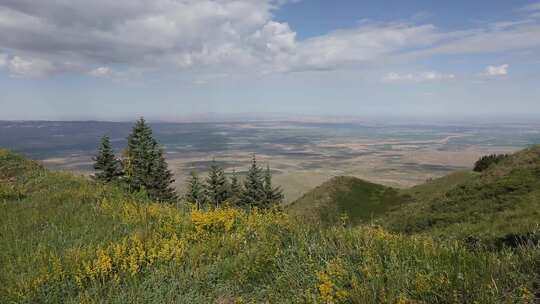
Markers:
point(67, 239)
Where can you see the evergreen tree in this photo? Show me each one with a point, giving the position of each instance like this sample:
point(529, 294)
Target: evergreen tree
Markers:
point(139, 155)
point(272, 196)
point(146, 168)
point(195, 190)
point(161, 179)
point(108, 167)
point(217, 186)
point(236, 188)
point(253, 192)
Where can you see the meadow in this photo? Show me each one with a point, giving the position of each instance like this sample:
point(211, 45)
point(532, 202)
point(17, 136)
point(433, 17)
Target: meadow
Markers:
point(68, 239)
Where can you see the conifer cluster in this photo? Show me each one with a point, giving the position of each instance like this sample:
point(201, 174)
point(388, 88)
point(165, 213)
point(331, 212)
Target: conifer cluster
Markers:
point(143, 167)
point(486, 161)
point(255, 191)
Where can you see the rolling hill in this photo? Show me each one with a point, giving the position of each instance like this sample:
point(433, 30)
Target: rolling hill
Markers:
point(497, 204)
point(359, 200)
point(500, 202)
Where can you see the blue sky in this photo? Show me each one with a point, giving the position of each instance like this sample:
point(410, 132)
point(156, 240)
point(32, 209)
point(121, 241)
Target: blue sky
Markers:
point(311, 18)
point(166, 59)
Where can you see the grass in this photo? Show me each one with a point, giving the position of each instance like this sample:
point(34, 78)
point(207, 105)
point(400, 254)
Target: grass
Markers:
point(363, 201)
point(437, 187)
point(358, 200)
point(498, 207)
point(493, 206)
point(66, 239)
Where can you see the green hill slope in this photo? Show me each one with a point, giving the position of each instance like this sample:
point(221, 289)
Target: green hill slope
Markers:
point(359, 200)
point(66, 239)
point(502, 201)
point(439, 186)
point(496, 206)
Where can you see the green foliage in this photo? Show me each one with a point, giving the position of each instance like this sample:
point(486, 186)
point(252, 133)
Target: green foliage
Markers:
point(72, 240)
point(161, 179)
point(236, 188)
point(253, 194)
point(217, 186)
point(139, 156)
point(272, 195)
point(145, 166)
point(108, 167)
point(256, 191)
point(486, 161)
point(195, 190)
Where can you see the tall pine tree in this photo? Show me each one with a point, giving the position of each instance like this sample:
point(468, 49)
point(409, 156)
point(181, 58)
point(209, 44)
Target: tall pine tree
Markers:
point(253, 193)
point(108, 167)
point(146, 168)
point(195, 190)
point(272, 196)
point(139, 155)
point(217, 186)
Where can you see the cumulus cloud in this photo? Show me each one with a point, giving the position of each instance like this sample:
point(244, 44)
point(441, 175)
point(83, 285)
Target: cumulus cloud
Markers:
point(144, 33)
point(417, 77)
point(496, 71)
point(50, 37)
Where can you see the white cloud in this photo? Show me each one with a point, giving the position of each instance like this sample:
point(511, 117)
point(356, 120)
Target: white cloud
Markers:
point(3, 60)
point(487, 40)
point(496, 71)
point(417, 77)
point(101, 72)
point(274, 38)
point(105, 72)
point(363, 45)
point(29, 67)
point(502, 25)
point(234, 36)
point(145, 33)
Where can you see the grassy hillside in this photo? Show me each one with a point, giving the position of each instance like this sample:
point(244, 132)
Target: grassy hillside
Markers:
point(362, 201)
point(500, 203)
point(67, 239)
point(359, 200)
point(500, 206)
point(439, 186)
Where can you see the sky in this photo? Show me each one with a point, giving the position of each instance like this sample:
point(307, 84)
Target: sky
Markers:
point(167, 59)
